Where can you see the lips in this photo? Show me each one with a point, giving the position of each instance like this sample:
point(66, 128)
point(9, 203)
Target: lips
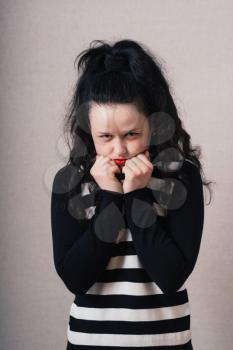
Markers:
point(120, 161)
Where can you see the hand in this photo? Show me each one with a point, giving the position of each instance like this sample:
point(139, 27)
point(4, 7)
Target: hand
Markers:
point(137, 172)
point(103, 171)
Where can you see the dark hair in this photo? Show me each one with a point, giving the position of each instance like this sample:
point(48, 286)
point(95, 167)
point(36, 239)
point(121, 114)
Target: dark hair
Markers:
point(125, 72)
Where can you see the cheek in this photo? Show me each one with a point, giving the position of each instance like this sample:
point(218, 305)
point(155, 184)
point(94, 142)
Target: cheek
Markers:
point(137, 146)
point(102, 148)
point(145, 141)
point(146, 137)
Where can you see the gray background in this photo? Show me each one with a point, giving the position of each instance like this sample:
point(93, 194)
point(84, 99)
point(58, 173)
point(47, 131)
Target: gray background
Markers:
point(39, 42)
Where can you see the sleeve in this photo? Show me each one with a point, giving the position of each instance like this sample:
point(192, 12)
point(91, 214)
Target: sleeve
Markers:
point(167, 252)
point(81, 255)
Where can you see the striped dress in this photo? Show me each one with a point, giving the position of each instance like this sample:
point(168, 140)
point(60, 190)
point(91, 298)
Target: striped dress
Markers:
point(129, 293)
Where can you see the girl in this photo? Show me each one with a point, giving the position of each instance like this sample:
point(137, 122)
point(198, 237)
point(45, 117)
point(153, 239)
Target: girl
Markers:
point(127, 210)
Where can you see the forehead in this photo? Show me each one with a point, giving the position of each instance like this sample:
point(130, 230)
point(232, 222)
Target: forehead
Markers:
point(113, 117)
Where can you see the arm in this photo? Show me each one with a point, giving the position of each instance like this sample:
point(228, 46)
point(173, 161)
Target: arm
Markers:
point(79, 256)
point(168, 251)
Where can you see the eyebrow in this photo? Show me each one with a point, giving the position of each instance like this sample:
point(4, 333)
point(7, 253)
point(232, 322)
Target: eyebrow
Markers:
point(109, 133)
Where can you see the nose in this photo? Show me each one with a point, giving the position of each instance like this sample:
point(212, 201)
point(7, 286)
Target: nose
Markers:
point(120, 149)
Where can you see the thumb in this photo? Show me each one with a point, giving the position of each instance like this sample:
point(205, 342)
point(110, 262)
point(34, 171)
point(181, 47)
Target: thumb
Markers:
point(147, 154)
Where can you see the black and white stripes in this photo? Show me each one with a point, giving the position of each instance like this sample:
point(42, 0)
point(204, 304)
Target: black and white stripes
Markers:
point(125, 308)
point(130, 289)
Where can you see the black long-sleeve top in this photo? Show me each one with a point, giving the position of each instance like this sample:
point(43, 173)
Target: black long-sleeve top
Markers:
point(132, 260)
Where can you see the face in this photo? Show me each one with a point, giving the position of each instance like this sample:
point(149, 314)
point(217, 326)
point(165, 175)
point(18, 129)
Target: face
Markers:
point(119, 130)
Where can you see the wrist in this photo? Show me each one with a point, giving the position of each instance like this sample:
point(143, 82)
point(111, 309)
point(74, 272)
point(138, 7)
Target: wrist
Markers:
point(127, 188)
point(111, 190)
point(138, 192)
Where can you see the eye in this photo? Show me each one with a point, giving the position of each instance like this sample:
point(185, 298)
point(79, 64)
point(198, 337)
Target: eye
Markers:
point(105, 136)
point(129, 133)
point(133, 133)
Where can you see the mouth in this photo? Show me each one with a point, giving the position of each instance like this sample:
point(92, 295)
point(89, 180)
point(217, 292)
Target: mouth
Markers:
point(120, 161)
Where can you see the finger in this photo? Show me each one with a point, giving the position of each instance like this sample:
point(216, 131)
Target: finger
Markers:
point(103, 159)
point(109, 160)
point(145, 160)
point(99, 156)
point(115, 167)
point(138, 160)
point(146, 153)
point(113, 163)
point(126, 170)
point(136, 165)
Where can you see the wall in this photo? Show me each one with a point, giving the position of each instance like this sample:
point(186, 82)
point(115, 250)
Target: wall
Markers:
point(39, 42)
